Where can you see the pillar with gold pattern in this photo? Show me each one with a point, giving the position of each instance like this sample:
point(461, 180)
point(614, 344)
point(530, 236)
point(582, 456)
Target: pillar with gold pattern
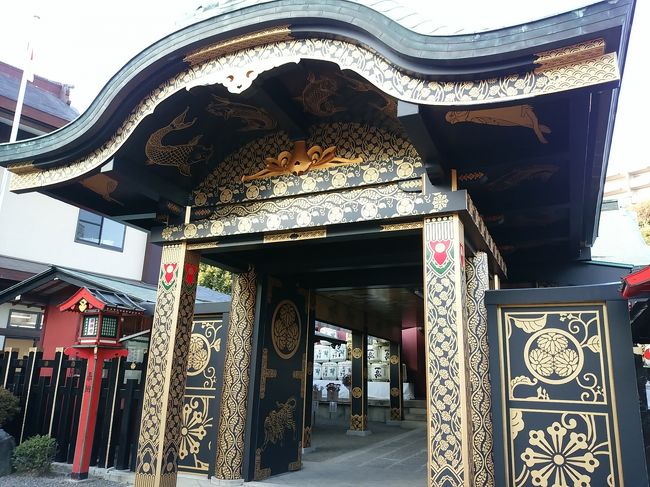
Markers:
point(167, 368)
point(478, 281)
point(234, 399)
point(395, 374)
point(448, 408)
point(358, 387)
point(309, 370)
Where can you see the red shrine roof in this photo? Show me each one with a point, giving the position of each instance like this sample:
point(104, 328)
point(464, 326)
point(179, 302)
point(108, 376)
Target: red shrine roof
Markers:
point(636, 283)
point(87, 299)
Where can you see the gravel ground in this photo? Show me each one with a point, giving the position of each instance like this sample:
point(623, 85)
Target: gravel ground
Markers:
point(53, 480)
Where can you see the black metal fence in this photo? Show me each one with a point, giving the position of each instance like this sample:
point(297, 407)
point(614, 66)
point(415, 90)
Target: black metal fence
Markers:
point(50, 399)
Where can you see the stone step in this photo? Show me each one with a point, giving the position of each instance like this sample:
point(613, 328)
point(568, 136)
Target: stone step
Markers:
point(416, 410)
point(415, 417)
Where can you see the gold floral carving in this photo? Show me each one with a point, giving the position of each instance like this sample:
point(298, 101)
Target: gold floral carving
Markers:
point(369, 64)
point(285, 329)
point(358, 422)
point(559, 348)
point(181, 156)
point(194, 428)
point(575, 449)
point(357, 392)
point(477, 275)
point(395, 414)
point(300, 161)
point(167, 370)
point(448, 420)
point(236, 378)
point(266, 373)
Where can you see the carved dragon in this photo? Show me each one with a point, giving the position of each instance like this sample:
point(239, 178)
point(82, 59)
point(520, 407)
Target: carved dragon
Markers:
point(182, 156)
point(253, 117)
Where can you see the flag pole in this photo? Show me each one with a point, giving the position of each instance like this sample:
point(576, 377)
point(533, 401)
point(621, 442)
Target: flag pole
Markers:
point(28, 75)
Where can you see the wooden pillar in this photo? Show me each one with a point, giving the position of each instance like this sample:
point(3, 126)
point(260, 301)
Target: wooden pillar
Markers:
point(167, 368)
point(236, 380)
point(448, 408)
point(478, 281)
point(309, 371)
point(358, 388)
point(396, 387)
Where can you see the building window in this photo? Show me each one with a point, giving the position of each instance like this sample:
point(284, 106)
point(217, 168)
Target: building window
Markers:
point(97, 230)
point(30, 320)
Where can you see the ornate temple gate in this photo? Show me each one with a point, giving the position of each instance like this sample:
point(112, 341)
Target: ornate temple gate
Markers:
point(564, 388)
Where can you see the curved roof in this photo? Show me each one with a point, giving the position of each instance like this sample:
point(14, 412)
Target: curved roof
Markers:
point(568, 64)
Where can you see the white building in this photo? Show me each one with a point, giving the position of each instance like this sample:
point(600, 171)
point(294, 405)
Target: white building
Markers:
point(36, 230)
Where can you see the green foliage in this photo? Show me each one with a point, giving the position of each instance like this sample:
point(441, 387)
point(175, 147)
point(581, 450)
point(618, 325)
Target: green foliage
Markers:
point(215, 278)
point(643, 216)
point(34, 455)
point(8, 406)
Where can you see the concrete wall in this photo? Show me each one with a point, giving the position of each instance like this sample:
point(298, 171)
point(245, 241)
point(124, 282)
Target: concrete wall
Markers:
point(39, 228)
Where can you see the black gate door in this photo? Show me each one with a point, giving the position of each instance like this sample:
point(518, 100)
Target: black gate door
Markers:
point(278, 396)
point(200, 413)
point(565, 403)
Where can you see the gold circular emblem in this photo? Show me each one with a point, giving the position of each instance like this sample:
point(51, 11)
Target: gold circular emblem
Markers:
point(167, 233)
point(225, 196)
point(273, 221)
point(252, 192)
point(394, 391)
point(285, 329)
point(335, 215)
point(303, 218)
point(308, 184)
point(357, 353)
point(369, 210)
point(190, 230)
point(404, 207)
point(339, 180)
point(357, 392)
point(553, 356)
point(216, 228)
point(200, 198)
point(280, 188)
point(405, 169)
point(244, 225)
point(199, 354)
point(394, 359)
point(370, 175)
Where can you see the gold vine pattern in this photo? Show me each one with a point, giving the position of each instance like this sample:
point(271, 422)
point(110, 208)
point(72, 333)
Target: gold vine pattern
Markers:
point(442, 327)
point(476, 271)
point(236, 378)
point(345, 206)
point(229, 68)
point(165, 383)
